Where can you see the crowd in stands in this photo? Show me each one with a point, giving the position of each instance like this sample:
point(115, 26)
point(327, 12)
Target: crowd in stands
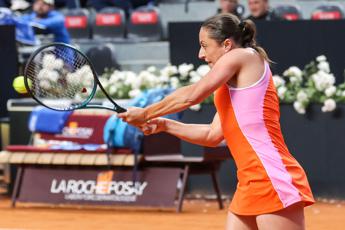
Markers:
point(123, 19)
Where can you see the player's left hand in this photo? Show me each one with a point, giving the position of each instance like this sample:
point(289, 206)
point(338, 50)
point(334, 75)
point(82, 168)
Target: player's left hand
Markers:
point(134, 116)
point(154, 126)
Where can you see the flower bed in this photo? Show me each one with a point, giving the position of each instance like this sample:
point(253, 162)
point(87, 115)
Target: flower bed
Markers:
point(314, 84)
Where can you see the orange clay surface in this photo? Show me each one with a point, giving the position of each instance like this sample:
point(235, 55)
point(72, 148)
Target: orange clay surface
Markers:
point(197, 215)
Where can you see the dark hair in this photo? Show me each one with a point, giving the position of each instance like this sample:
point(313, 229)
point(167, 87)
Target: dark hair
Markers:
point(223, 26)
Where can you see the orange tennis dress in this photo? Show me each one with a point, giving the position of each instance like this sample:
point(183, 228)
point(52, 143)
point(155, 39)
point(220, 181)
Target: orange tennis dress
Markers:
point(269, 177)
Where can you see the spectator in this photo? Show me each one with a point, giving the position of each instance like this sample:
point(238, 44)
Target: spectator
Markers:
point(48, 20)
point(259, 10)
point(231, 6)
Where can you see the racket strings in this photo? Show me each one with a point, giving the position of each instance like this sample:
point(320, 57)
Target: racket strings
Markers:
point(60, 72)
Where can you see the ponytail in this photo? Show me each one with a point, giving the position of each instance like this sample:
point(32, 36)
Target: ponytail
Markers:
point(247, 38)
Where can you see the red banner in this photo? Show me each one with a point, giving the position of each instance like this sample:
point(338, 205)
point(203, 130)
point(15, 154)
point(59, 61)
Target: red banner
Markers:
point(108, 19)
point(144, 18)
point(326, 15)
point(76, 21)
point(81, 129)
point(291, 17)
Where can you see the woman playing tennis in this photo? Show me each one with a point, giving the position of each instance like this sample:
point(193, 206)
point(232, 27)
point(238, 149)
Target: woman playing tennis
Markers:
point(272, 188)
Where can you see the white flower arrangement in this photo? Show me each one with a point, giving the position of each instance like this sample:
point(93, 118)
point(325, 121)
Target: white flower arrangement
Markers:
point(314, 84)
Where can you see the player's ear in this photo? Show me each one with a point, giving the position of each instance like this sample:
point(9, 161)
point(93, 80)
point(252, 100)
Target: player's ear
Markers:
point(228, 44)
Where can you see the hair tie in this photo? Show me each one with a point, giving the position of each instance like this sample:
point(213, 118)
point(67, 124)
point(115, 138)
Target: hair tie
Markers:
point(242, 26)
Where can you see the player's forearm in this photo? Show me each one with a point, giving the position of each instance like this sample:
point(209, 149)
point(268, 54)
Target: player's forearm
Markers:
point(178, 101)
point(194, 133)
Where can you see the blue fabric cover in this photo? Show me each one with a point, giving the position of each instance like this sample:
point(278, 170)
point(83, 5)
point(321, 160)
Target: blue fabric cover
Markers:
point(47, 121)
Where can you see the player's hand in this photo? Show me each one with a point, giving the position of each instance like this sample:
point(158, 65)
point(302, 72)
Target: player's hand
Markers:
point(153, 126)
point(134, 115)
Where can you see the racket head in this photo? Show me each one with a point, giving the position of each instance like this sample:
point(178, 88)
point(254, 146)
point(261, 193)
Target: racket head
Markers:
point(60, 77)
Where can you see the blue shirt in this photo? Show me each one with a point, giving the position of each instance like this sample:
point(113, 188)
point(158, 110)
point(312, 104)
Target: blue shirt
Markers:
point(53, 23)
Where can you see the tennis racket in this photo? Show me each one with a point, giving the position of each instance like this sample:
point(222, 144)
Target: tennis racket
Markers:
point(60, 77)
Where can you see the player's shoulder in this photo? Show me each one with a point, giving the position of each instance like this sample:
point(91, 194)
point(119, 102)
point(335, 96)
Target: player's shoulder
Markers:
point(243, 52)
point(241, 55)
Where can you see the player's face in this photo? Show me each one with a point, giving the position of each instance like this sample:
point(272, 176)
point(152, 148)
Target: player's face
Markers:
point(257, 7)
point(41, 8)
point(210, 50)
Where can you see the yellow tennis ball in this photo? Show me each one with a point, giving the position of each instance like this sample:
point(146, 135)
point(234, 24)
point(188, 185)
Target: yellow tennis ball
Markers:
point(19, 85)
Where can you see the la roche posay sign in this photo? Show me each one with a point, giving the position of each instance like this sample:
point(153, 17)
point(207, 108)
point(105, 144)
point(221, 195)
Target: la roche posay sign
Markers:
point(154, 187)
point(102, 189)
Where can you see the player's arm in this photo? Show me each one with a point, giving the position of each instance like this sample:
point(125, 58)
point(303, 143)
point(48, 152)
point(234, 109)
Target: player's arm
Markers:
point(206, 135)
point(224, 69)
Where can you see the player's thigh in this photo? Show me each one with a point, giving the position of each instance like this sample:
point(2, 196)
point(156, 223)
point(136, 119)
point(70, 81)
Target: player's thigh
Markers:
point(236, 222)
point(291, 218)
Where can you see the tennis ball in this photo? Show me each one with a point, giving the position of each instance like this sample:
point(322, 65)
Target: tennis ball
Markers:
point(19, 85)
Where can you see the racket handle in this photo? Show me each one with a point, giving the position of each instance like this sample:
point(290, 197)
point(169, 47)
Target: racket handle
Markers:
point(120, 109)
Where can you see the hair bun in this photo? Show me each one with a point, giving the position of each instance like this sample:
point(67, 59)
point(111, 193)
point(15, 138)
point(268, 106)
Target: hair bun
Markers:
point(248, 33)
point(241, 26)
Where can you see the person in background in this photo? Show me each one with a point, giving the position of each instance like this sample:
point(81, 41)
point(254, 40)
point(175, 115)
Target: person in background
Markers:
point(48, 20)
point(231, 6)
point(260, 10)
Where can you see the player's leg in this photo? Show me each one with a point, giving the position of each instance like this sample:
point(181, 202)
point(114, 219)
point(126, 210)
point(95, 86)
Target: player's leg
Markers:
point(290, 218)
point(236, 222)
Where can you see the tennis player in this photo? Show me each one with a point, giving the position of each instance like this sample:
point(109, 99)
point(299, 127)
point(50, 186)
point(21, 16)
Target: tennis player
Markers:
point(272, 188)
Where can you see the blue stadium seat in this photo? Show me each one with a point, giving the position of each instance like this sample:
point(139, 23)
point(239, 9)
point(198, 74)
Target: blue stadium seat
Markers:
point(77, 23)
point(110, 24)
point(144, 24)
point(327, 12)
point(102, 57)
point(288, 12)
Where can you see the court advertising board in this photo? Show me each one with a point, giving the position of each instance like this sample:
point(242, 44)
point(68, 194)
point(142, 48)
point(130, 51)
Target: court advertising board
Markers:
point(153, 187)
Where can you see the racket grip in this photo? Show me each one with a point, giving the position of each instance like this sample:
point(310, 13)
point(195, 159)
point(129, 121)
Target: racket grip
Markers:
point(120, 110)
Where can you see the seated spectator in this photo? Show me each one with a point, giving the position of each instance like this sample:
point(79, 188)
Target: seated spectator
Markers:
point(259, 10)
point(48, 20)
point(231, 6)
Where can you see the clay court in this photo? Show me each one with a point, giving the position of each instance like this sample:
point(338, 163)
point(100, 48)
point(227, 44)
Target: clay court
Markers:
point(197, 215)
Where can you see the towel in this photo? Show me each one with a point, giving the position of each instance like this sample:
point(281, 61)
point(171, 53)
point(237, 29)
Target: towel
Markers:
point(47, 121)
